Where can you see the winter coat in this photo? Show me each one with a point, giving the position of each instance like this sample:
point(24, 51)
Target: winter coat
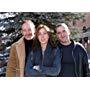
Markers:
point(80, 59)
point(50, 64)
point(16, 62)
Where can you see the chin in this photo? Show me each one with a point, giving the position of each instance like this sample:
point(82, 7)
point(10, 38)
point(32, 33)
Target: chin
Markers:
point(28, 38)
point(43, 42)
point(63, 41)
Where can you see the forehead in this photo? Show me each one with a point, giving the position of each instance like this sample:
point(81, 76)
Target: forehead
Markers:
point(25, 26)
point(42, 30)
point(60, 28)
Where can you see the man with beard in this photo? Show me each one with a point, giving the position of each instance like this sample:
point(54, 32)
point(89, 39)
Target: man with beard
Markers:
point(20, 50)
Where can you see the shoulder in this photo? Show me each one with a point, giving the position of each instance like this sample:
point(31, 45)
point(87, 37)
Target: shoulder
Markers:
point(56, 50)
point(20, 41)
point(79, 46)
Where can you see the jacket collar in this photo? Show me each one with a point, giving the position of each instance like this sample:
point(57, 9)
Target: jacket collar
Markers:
point(20, 48)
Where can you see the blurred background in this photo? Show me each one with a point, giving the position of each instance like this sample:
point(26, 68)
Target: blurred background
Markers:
point(10, 26)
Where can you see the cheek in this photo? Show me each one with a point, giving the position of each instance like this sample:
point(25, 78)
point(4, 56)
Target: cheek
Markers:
point(58, 36)
point(47, 36)
point(39, 38)
point(24, 33)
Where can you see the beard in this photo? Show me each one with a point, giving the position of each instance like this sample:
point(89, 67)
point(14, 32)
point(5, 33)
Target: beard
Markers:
point(28, 37)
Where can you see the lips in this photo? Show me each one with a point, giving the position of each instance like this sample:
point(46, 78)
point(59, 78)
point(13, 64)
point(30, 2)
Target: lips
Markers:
point(42, 40)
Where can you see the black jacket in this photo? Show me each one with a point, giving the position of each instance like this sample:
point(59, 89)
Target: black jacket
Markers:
point(80, 59)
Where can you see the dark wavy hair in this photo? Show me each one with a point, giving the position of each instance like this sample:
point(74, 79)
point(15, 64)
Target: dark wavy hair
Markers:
point(36, 41)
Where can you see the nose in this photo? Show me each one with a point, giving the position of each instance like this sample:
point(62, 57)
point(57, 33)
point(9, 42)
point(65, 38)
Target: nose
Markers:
point(62, 34)
point(42, 35)
point(28, 32)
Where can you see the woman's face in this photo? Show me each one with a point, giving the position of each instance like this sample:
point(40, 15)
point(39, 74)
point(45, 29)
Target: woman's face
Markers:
point(43, 36)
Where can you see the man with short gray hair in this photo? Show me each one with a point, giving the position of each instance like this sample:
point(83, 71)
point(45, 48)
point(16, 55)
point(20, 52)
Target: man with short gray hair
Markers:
point(20, 50)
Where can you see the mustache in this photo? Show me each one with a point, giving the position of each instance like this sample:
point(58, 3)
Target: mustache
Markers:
point(28, 34)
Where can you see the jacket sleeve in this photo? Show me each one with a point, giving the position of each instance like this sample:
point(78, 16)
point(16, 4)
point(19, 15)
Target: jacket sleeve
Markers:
point(11, 65)
point(85, 64)
point(29, 71)
point(56, 67)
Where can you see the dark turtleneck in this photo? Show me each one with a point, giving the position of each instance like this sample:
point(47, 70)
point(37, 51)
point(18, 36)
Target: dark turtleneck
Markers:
point(28, 47)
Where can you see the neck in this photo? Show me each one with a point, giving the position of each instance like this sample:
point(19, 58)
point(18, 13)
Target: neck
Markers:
point(66, 43)
point(43, 46)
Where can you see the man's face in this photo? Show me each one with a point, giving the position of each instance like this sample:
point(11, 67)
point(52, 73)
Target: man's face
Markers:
point(26, 31)
point(62, 34)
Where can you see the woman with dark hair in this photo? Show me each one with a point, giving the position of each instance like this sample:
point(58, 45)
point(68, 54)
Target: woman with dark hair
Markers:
point(45, 60)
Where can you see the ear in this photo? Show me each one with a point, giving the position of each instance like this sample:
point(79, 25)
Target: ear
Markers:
point(69, 32)
point(21, 32)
